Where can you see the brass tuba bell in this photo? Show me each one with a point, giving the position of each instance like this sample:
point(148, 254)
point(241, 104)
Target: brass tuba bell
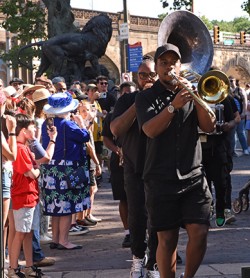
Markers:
point(191, 36)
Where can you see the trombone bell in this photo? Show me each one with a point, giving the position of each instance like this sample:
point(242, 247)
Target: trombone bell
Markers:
point(213, 86)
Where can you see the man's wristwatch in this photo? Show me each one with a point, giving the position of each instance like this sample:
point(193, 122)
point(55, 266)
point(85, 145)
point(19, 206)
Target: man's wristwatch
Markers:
point(171, 108)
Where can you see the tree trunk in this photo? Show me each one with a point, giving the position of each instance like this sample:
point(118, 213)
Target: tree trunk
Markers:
point(60, 17)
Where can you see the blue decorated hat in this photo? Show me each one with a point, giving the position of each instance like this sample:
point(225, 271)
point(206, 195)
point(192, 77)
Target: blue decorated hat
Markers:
point(60, 103)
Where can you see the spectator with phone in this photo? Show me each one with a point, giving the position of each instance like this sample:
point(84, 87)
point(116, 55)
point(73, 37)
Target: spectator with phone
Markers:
point(68, 156)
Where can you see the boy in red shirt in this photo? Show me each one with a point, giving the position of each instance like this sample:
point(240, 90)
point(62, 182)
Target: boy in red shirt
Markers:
point(25, 196)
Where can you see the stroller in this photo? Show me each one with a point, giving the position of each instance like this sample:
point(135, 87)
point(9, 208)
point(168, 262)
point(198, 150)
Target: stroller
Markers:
point(242, 202)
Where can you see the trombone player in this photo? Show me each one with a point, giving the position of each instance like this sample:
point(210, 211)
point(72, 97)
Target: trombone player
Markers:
point(177, 194)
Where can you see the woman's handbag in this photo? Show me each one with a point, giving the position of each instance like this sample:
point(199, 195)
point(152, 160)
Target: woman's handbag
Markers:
point(76, 178)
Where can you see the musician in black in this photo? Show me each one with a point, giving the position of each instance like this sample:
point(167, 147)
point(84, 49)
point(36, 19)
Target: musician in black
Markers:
point(177, 194)
point(125, 127)
point(216, 156)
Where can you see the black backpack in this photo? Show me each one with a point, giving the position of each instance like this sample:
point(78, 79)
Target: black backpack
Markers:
point(238, 96)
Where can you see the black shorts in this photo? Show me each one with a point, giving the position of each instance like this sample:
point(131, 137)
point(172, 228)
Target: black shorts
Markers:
point(117, 184)
point(98, 147)
point(172, 205)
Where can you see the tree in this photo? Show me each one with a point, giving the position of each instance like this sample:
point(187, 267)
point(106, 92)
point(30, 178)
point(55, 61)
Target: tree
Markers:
point(178, 4)
point(246, 6)
point(26, 21)
point(241, 24)
point(187, 4)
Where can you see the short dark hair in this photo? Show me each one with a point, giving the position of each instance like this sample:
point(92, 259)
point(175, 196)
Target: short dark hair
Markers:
point(101, 77)
point(23, 121)
point(127, 84)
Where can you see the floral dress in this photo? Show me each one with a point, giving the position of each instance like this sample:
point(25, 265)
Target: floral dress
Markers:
point(58, 199)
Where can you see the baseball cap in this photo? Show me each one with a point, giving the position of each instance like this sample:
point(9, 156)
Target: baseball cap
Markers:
point(16, 80)
point(164, 48)
point(58, 79)
point(92, 86)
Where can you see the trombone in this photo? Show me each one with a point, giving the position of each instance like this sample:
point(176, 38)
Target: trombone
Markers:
point(213, 87)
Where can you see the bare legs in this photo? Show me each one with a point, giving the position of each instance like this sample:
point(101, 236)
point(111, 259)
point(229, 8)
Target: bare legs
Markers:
point(166, 253)
point(123, 211)
point(92, 192)
point(196, 247)
point(12, 232)
point(60, 230)
point(195, 251)
point(19, 239)
point(6, 205)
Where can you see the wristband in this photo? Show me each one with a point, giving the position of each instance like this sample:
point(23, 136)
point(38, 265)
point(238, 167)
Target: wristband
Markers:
point(52, 141)
point(12, 134)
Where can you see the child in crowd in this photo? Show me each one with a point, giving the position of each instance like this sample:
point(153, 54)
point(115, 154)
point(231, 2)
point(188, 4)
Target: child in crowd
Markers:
point(25, 197)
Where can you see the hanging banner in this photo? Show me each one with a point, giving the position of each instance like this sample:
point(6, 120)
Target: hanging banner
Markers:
point(134, 56)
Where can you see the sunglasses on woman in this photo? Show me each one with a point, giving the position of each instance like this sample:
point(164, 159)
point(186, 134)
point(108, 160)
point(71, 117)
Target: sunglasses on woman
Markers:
point(145, 75)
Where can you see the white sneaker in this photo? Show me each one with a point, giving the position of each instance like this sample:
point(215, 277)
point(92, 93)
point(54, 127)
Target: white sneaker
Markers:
point(92, 218)
point(230, 218)
point(137, 270)
point(153, 273)
point(246, 152)
point(45, 238)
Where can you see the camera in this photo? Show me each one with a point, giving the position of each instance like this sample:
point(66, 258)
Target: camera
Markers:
point(103, 95)
point(50, 123)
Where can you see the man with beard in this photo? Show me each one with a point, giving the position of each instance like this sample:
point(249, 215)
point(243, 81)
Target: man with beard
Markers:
point(124, 126)
point(177, 194)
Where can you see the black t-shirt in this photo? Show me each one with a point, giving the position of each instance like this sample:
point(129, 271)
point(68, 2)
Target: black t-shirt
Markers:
point(133, 142)
point(108, 102)
point(232, 102)
point(175, 154)
point(114, 159)
point(218, 142)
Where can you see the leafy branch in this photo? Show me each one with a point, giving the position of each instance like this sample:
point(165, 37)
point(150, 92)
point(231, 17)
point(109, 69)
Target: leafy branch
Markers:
point(26, 21)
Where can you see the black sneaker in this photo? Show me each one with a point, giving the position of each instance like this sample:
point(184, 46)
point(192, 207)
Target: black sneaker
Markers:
point(85, 223)
point(126, 242)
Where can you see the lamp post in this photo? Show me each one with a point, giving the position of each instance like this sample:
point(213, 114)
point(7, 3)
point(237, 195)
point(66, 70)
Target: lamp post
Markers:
point(124, 42)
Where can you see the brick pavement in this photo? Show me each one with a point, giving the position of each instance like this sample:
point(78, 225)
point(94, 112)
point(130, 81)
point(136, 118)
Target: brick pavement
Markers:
point(102, 256)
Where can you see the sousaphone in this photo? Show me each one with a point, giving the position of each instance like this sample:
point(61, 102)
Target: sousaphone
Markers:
point(190, 34)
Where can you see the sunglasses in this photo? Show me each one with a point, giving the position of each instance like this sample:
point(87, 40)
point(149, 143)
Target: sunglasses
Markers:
point(16, 84)
point(103, 83)
point(76, 83)
point(145, 75)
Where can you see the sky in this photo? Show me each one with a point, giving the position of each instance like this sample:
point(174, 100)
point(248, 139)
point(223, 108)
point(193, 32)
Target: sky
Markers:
point(225, 10)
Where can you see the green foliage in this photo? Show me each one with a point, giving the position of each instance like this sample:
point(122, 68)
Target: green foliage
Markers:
point(178, 4)
point(246, 6)
point(207, 22)
point(187, 4)
point(237, 25)
point(241, 24)
point(26, 20)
